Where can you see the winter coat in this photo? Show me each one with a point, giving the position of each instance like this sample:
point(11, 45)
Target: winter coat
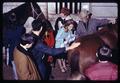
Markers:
point(25, 66)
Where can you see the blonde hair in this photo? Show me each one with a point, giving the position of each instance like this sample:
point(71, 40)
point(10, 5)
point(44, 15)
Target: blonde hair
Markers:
point(86, 12)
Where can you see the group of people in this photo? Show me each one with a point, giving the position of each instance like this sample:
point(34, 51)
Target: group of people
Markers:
point(30, 53)
point(103, 69)
point(67, 30)
point(32, 46)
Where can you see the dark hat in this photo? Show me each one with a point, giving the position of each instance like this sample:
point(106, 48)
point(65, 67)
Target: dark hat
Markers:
point(104, 52)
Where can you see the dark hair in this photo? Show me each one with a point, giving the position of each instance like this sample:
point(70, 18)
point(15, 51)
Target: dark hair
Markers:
point(65, 11)
point(104, 52)
point(27, 39)
point(46, 24)
point(36, 25)
point(71, 21)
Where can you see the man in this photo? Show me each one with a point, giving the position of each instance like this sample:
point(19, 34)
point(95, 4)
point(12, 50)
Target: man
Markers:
point(25, 67)
point(102, 70)
point(25, 62)
point(88, 25)
point(39, 49)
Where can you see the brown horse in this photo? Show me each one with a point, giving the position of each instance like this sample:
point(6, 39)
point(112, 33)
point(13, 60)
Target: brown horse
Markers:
point(88, 48)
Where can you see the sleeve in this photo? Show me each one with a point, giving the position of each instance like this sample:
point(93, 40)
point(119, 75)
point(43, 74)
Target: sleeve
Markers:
point(101, 22)
point(51, 51)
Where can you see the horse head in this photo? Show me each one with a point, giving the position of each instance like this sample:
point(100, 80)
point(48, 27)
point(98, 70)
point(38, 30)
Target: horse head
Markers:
point(20, 14)
point(36, 11)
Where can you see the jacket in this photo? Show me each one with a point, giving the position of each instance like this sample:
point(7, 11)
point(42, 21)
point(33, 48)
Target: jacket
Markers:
point(39, 51)
point(25, 67)
point(102, 71)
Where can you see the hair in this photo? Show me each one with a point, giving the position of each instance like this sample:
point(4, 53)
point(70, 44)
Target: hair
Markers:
point(88, 13)
point(65, 11)
point(104, 53)
point(47, 25)
point(36, 25)
point(71, 21)
point(27, 39)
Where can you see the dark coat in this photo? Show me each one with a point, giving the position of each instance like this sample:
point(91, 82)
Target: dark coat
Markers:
point(39, 50)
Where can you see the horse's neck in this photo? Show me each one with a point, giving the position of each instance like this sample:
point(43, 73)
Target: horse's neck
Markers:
point(22, 21)
point(107, 35)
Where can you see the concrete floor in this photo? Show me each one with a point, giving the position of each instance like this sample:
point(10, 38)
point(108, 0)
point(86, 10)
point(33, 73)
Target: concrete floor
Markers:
point(58, 75)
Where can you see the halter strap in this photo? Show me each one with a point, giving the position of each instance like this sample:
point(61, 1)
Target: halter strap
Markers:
point(33, 11)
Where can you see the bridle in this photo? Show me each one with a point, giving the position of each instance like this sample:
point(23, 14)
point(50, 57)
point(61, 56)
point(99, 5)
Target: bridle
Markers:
point(34, 11)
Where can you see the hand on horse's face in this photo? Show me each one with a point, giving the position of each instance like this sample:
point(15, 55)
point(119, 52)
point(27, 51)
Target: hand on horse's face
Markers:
point(74, 45)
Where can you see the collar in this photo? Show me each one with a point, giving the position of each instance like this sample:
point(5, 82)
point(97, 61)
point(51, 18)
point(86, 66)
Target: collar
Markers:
point(20, 48)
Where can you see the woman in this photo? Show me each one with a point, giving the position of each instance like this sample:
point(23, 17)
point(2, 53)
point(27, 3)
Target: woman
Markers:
point(64, 15)
point(39, 49)
point(63, 38)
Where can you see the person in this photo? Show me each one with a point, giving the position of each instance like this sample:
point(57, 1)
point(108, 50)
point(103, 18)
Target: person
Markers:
point(104, 69)
point(39, 49)
point(64, 15)
point(25, 66)
point(63, 38)
point(49, 40)
point(88, 25)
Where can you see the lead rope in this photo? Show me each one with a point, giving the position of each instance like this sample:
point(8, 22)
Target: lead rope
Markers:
point(33, 11)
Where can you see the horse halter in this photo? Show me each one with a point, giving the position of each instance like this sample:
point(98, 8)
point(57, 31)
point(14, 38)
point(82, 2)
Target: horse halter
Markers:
point(33, 11)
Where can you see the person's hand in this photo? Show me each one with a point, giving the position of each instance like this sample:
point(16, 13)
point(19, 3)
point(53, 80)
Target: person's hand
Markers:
point(65, 42)
point(74, 45)
point(112, 21)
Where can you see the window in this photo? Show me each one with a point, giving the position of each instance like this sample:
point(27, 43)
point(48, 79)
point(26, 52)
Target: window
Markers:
point(73, 6)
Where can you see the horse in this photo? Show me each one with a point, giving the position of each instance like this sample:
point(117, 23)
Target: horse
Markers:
point(18, 17)
point(86, 52)
point(22, 12)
